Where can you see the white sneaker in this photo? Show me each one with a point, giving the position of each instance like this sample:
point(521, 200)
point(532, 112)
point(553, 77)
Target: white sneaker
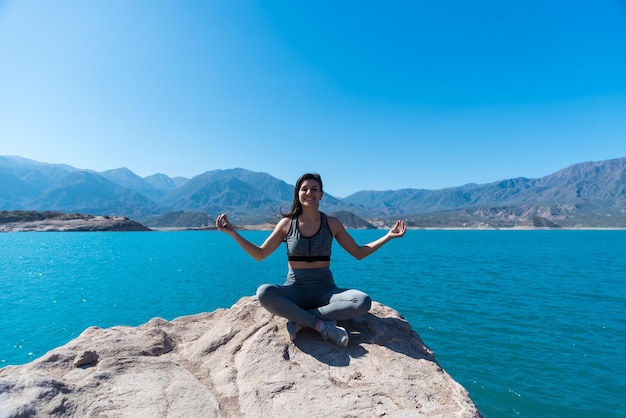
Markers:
point(293, 328)
point(336, 334)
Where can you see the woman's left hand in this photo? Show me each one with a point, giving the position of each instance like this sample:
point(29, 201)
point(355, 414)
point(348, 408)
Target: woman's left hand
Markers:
point(398, 230)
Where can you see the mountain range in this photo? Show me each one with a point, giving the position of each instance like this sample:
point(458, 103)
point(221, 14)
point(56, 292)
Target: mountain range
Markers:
point(589, 194)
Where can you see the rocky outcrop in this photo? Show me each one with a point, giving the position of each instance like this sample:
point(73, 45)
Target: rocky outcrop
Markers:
point(28, 221)
point(237, 362)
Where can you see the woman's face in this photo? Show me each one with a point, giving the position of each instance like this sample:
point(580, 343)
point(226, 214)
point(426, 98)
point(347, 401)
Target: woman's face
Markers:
point(310, 193)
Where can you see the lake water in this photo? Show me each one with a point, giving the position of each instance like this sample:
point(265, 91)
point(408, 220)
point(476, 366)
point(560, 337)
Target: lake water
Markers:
point(531, 323)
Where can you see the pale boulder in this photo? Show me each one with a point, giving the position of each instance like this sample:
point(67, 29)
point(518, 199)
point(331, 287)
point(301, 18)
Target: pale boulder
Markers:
point(237, 362)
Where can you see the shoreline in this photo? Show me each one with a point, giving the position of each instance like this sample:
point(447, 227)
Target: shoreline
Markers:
point(122, 224)
point(460, 228)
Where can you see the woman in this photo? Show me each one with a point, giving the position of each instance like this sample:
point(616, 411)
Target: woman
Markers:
point(309, 297)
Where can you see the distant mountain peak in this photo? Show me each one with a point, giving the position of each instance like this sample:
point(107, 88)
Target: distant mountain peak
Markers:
point(587, 194)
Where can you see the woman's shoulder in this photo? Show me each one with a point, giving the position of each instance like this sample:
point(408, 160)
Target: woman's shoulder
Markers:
point(334, 224)
point(281, 228)
point(330, 218)
point(284, 223)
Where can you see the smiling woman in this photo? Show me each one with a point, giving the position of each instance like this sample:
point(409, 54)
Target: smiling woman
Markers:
point(310, 297)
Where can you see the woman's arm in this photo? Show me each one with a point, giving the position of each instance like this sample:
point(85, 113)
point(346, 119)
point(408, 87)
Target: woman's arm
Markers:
point(361, 251)
point(258, 252)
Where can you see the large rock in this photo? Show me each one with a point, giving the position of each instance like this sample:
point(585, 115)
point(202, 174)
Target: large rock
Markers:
point(237, 362)
point(29, 221)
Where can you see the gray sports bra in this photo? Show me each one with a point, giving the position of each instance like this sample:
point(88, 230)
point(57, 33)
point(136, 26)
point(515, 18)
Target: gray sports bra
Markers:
point(314, 248)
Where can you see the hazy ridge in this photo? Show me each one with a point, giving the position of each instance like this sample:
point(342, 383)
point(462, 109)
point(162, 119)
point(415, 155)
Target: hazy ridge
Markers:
point(589, 194)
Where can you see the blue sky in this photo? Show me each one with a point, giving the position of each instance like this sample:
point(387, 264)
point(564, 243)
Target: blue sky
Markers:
point(373, 95)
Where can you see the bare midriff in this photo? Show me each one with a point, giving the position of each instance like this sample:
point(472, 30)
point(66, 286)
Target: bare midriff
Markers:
point(297, 265)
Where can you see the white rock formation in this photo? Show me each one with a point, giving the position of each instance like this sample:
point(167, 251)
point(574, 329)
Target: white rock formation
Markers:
point(236, 362)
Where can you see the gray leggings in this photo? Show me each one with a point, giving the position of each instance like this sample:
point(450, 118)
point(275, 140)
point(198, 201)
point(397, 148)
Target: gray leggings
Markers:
point(311, 294)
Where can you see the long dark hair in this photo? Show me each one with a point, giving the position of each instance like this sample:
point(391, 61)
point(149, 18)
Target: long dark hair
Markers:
point(296, 206)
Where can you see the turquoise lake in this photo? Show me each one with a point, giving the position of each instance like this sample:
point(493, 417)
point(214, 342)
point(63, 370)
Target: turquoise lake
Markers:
point(531, 323)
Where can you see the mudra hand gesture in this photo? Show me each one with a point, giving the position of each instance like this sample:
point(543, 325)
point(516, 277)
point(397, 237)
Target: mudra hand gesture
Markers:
point(398, 230)
point(222, 224)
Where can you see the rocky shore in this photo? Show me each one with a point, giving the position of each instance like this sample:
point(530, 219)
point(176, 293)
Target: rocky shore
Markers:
point(237, 362)
point(26, 221)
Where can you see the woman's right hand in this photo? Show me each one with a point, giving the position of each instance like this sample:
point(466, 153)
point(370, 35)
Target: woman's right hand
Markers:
point(222, 224)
